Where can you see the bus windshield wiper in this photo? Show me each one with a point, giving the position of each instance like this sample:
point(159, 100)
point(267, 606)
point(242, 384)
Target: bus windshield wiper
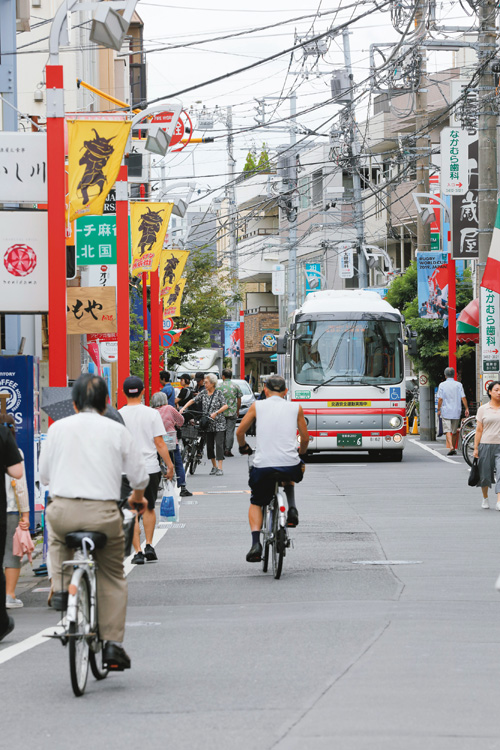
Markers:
point(349, 381)
point(365, 381)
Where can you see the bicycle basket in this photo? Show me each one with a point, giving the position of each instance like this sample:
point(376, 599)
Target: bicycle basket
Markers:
point(128, 529)
point(189, 432)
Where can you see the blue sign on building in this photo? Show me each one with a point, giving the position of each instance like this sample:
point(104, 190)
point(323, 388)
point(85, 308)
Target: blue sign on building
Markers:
point(313, 277)
point(19, 378)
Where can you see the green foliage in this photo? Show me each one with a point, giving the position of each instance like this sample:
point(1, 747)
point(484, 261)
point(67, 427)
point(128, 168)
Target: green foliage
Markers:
point(250, 165)
point(263, 164)
point(432, 339)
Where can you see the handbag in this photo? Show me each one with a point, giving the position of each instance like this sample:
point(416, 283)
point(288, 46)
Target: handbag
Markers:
point(473, 479)
point(206, 421)
point(22, 543)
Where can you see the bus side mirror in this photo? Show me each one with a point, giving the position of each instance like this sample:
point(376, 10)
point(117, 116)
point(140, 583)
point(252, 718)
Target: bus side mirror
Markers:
point(411, 342)
point(281, 343)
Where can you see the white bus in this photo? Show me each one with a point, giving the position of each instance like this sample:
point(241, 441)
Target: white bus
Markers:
point(344, 363)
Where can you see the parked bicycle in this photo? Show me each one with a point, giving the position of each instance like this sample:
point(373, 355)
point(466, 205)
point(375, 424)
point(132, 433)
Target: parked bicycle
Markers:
point(468, 447)
point(193, 444)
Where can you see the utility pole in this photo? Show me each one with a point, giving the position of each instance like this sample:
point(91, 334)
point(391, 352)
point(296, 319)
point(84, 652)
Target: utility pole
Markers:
point(8, 64)
point(233, 249)
point(292, 213)
point(487, 143)
point(358, 200)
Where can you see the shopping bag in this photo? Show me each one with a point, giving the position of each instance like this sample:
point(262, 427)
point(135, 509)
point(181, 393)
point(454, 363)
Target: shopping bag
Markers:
point(169, 509)
point(440, 427)
point(473, 480)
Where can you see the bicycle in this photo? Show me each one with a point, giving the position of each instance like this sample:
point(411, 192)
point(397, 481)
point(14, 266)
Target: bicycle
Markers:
point(468, 447)
point(275, 537)
point(468, 425)
point(193, 443)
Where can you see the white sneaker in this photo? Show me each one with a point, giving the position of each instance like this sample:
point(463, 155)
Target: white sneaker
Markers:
point(485, 503)
point(498, 506)
point(12, 603)
point(219, 473)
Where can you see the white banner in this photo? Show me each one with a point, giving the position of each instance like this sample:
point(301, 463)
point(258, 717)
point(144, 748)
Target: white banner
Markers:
point(278, 279)
point(23, 262)
point(490, 332)
point(454, 161)
point(346, 261)
point(23, 167)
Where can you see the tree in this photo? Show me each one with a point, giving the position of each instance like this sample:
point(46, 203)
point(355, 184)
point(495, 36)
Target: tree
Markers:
point(250, 165)
point(432, 337)
point(263, 164)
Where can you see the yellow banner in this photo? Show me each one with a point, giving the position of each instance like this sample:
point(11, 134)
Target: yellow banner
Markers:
point(148, 226)
point(95, 155)
point(172, 263)
point(172, 303)
point(344, 404)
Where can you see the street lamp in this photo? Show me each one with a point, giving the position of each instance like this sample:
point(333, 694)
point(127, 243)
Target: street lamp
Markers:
point(181, 203)
point(109, 27)
point(158, 136)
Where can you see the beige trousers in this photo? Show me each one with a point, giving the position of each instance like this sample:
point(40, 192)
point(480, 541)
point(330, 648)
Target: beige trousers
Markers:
point(67, 514)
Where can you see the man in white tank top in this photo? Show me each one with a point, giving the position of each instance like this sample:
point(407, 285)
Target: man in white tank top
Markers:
point(277, 422)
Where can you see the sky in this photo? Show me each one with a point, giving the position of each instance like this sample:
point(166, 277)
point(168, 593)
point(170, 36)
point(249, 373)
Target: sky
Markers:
point(179, 67)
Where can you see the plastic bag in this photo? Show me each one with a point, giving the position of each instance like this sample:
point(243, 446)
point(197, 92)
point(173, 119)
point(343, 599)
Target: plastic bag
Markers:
point(169, 509)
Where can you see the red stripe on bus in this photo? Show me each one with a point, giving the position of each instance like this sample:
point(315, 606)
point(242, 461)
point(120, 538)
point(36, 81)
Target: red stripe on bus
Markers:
point(334, 410)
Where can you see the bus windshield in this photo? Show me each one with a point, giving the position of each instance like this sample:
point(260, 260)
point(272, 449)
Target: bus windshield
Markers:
point(347, 352)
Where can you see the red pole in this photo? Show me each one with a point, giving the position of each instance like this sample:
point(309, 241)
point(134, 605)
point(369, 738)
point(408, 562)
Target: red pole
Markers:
point(452, 314)
point(122, 282)
point(242, 345)
point(56, 200)
point(154, 299)
point(146, 344)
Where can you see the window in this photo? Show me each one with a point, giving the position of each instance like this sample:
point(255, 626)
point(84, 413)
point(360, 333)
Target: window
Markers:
point(317, 187)
point(304, 193)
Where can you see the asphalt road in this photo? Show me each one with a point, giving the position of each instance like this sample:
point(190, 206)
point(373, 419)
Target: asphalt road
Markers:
point(345, 651)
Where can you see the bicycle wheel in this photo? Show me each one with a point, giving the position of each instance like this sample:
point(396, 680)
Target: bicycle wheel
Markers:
point(95, 656)
point(266, 522)
point(78, 639)
point(468, 448)
point(279, 541)
point(468, 426)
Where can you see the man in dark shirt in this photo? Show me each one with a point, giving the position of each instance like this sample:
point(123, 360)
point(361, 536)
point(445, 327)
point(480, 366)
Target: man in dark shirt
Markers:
point(167, 388)
point(10, 463)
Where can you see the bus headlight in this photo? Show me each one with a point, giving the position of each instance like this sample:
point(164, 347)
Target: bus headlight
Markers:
point(395, 422)
point(397, 438)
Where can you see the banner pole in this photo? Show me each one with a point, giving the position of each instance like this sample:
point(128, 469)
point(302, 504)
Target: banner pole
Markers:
point(122, 282)
point(154, 298)
point(146, 342)
point(242, 345)
point(452, 314)
point(56, 200)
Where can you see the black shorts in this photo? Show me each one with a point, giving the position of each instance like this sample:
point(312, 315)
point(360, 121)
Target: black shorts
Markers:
point(150, 493)
point(262, 480)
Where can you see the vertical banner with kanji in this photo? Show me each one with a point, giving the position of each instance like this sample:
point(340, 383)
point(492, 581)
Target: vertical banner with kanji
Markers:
point(95, 155)
point(148, 224)
point(490, 330)
point(172, 303)
point(171, 268)
point(465, 212)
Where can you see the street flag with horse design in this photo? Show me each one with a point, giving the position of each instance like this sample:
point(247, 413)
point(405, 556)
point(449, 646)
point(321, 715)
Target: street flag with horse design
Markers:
point(95, 154)
point(172, 263)
point(172, 303)
point(148, 227)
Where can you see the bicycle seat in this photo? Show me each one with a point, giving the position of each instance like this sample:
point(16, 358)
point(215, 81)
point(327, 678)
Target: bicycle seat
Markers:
point(75, 539)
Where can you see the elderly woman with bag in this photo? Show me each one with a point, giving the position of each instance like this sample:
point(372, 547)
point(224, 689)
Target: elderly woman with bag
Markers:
point(172, 419)
point(212, 422)
point(487, 443)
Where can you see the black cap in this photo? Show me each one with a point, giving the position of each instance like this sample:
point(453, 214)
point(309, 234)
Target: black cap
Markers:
point(133, 386)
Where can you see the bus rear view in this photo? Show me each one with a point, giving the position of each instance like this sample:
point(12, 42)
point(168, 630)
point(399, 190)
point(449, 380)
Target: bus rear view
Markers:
point(345, 366)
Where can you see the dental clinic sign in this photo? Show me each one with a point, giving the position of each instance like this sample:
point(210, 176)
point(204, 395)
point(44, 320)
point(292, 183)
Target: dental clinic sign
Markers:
point(454, 161)
point(490, 330)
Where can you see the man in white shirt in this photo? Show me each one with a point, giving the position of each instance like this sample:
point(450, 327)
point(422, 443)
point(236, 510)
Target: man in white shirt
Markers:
point(147, 430)
point(451, 396)
point(82, 462)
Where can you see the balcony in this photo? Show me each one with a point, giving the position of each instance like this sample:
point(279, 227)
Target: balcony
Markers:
point(259, 323)
point(257, 255)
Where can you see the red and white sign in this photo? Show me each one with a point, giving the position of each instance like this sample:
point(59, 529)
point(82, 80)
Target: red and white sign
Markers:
point(23, 262)
point(178, 133)
point(102, 337)
point(109, 351)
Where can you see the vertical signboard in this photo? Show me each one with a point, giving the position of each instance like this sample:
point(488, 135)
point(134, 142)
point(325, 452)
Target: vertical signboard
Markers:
point(313, 277)
point(17, 379)
point(346, 261)
point(432, 282)
point(232, 338)
point(454, 161)
point(278, 279)
point(464, 212)
point(490, 330)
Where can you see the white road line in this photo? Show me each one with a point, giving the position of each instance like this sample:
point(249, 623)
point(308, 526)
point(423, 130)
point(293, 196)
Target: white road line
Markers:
point(431, 450)
point(17, 649)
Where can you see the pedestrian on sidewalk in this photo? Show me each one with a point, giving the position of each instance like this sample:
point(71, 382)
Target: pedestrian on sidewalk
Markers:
point(213, 405)
point(171, 420)
point(166, 387)
point(18, 514)
point(232, 393)
point(82, 462)
point(11, 464)
point(147, 429)
point(487, 443)
point(185, 393)
point(451, 396)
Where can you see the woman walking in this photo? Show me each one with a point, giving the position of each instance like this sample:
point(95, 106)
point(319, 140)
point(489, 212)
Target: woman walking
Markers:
point(487, 443)
point(213, 404)
point(172, 419)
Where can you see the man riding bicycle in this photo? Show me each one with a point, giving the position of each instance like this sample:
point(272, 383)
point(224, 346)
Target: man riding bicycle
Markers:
point(277, 422)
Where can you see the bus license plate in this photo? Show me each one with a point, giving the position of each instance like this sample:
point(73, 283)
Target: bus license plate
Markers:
point(348, 439)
